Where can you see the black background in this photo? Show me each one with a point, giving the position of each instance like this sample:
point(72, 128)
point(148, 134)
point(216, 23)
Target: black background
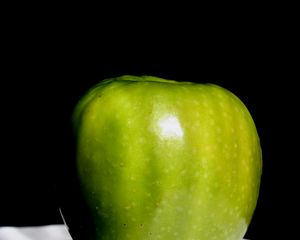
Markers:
point(48, 71)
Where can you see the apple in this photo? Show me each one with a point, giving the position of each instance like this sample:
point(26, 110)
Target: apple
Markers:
point(161, 159)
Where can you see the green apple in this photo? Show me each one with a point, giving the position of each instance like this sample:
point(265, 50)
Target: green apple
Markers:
point(161, 159)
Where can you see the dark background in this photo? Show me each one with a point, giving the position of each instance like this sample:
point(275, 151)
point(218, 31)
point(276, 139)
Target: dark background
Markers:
point(47, 73)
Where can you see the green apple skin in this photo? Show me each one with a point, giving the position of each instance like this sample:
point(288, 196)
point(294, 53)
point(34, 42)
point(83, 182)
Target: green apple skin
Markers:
point(160, 159)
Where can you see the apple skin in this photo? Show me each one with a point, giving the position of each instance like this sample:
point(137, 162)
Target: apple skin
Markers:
point(160, 159)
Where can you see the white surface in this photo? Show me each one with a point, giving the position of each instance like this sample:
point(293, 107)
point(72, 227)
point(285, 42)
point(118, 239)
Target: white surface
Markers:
point(52, 232)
